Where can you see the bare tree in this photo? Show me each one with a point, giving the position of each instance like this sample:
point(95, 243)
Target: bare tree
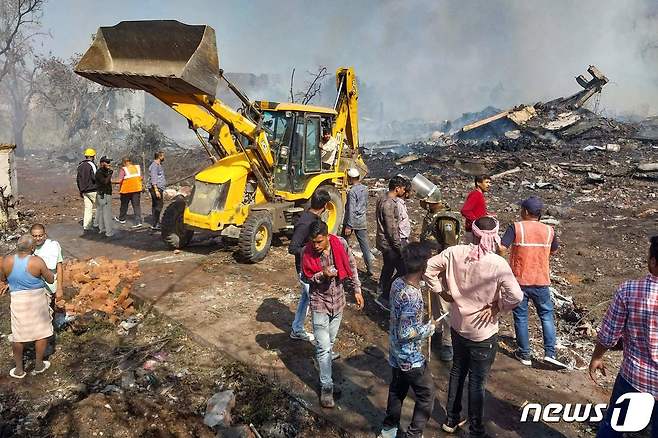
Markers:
point(79, 103)
point(19, 21)
point(20, 88)
point(311, 88)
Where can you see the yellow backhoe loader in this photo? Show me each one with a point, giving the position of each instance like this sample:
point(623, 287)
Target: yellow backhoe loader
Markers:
point(266, 156)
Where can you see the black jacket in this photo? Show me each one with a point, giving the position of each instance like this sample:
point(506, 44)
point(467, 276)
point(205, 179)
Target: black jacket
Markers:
point(104, 181)
point(86, 176)
point(300, 237)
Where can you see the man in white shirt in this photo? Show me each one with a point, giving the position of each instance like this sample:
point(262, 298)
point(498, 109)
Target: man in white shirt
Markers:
point(329, 147)
point(51, 253)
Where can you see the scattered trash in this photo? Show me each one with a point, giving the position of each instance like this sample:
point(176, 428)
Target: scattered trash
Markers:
point(595, 178)
point(218, 409)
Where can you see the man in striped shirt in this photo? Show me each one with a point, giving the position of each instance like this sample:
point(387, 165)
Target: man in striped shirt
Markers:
point(632, 317)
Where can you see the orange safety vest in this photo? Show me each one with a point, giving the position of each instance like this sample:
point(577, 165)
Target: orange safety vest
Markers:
point(530, 253)
point(132, 179)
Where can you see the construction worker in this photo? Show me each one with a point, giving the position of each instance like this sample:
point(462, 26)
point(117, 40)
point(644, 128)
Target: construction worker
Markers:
point(130, 191)
point(441, 229)
point(86, 180)
point(531, 244)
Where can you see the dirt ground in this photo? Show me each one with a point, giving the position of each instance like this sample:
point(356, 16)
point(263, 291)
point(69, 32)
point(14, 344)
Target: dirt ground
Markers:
point(233, 320)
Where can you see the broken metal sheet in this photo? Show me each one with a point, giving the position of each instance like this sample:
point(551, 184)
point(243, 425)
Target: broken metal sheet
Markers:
point(577, 167)
point(523, 115)
point(563, 120)
point(408, 159)
point(595, 178)
point(648, 167)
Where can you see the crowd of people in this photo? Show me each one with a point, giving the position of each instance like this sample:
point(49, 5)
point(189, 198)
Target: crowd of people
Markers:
point(470, 285)
point(465, 287)
point(95, 187)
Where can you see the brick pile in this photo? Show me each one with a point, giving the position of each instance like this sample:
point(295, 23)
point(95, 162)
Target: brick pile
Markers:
point(100, 284)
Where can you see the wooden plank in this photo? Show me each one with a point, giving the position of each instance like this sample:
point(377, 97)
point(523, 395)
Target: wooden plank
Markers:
point(486, 121)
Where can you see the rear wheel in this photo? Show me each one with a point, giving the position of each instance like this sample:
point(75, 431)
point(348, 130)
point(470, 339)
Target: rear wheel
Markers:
point(174, 233)
point(255, 237)
point(333, 216)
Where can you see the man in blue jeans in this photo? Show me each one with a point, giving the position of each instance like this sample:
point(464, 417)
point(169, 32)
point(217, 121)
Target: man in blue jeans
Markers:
point(531, 244)
point(299, 239)
point(632, 317)
point(329, 267)
point(355, 217)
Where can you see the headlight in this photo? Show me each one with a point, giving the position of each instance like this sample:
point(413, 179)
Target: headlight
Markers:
point(207, 197)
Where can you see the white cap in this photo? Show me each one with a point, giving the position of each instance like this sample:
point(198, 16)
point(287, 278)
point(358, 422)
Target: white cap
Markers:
point(353, 173)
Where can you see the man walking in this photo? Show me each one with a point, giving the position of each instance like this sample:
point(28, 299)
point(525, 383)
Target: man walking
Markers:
point(300, 238)
point(157, 185)
point(130, 191)
point(406, 334)
point(86, 181)
point(441, 229)
point(356, 208)
point(329, 266)
point(104, 197)
point(475, 205)
point(480, 284)
point(632, 317)
point(531, 244)
point(388, 237)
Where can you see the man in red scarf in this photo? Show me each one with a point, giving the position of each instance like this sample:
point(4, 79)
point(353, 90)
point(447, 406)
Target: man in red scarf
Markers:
point(328, 265)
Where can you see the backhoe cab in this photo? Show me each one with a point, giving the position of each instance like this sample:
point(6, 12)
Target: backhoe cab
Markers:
point(267, 158)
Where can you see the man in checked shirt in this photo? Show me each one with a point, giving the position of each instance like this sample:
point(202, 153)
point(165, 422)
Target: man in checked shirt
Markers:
point(329, 267)
point(633, 317)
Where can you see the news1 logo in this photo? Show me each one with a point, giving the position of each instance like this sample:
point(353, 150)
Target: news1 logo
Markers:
point(638, 412)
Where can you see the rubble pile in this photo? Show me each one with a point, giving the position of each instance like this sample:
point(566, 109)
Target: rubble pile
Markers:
point(100, 284)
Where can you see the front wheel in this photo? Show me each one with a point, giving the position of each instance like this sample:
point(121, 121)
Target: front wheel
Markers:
point(335, 212)
point(255, 237)
point(174, 233)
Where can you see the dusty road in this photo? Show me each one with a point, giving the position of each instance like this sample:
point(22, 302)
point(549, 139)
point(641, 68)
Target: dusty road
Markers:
point(246, 311)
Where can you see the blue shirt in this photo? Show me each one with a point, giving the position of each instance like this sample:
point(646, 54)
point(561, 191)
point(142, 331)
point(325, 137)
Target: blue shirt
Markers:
point(157, 176)
point(406, 329)
point(356, 207)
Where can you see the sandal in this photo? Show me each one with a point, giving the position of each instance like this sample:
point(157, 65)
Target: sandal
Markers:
point(13, 374)
point(46, 365)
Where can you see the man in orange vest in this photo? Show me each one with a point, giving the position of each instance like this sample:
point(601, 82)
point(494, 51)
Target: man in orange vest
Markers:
point(531, 244)
point(130, 191)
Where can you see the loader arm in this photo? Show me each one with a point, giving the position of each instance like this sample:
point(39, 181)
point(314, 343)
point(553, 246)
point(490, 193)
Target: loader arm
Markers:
point(179, 65)
point(347, 126)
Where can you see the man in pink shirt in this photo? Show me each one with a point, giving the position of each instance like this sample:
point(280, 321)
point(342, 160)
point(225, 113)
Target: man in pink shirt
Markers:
point(478, 284)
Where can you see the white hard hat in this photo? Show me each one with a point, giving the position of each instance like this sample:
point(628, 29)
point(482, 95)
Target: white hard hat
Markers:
point(353, 172)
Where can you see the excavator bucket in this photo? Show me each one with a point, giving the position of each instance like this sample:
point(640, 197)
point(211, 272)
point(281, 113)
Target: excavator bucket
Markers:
point(158, 55)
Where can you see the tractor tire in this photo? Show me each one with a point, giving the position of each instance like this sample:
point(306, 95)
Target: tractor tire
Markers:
point(335, 212)
point(174, 233)
point(255, 237)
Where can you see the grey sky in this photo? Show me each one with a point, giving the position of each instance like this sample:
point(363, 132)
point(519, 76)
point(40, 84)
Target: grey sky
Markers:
point(433, 58)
